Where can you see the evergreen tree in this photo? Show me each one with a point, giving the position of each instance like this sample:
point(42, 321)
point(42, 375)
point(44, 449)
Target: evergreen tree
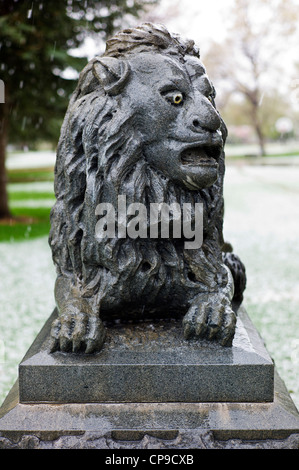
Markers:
point(35, 41)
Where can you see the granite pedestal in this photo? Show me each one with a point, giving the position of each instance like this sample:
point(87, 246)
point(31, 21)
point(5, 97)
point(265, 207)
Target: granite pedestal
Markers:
point(149, 387)
point(150, 362)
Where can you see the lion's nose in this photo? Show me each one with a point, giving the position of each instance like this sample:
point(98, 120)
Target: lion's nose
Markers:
point(205, 117)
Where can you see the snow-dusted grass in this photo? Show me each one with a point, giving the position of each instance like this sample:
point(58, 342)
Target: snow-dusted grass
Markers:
point(34, 194)
point(32, 188)
point(26, 298)
point(261, 221)
point(30, 160)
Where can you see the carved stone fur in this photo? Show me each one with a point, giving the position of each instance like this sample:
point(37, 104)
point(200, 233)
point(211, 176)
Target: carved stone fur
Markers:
point(123, 134)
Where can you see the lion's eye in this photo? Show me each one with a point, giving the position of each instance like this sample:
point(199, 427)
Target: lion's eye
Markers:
point(177, 98)
point(174, 97)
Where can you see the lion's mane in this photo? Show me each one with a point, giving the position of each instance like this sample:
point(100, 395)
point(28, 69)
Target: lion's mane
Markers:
point(100, 156)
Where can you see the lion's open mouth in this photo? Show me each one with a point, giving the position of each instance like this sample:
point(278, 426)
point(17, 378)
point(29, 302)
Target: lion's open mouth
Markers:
point(201, 156)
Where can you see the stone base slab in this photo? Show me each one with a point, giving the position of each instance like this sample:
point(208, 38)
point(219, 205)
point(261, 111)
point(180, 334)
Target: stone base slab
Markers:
point(148, 363)
point(151, 425)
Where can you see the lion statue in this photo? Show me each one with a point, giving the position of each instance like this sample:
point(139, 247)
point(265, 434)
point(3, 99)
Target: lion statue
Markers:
point(142, 123)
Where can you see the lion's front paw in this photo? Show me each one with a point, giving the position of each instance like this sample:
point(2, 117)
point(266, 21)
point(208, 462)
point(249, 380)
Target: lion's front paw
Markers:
point(211, 319)
point(77, 332)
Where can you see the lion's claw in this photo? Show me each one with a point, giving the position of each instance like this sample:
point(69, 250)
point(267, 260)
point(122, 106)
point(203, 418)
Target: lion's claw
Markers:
point(77, 332)
point(210, 320)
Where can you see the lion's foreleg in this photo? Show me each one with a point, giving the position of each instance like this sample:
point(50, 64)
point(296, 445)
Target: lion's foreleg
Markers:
point(78, 327)
point(210, 316)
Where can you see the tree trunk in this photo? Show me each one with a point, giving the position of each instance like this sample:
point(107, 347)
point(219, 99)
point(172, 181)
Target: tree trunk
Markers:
point(261, 139)
point(256, 122)
point(4, 209)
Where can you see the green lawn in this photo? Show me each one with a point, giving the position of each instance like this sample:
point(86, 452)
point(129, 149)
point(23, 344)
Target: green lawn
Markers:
point(29, 223)
point(269, 155)
point(21, 176)
point(31, 196)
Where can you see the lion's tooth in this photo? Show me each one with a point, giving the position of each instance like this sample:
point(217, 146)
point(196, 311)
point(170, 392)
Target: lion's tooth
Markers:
point(190, 183)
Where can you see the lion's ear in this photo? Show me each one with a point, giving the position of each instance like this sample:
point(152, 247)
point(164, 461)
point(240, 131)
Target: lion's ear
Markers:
point(112, 73)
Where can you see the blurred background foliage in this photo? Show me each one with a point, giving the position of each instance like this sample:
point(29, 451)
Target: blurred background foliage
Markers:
point(39, 67)
point(37, 42)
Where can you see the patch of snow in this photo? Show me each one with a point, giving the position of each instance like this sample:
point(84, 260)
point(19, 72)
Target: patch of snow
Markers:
point(39, 186)
point(26, 160)
point(33, 203)
point(27, 299)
